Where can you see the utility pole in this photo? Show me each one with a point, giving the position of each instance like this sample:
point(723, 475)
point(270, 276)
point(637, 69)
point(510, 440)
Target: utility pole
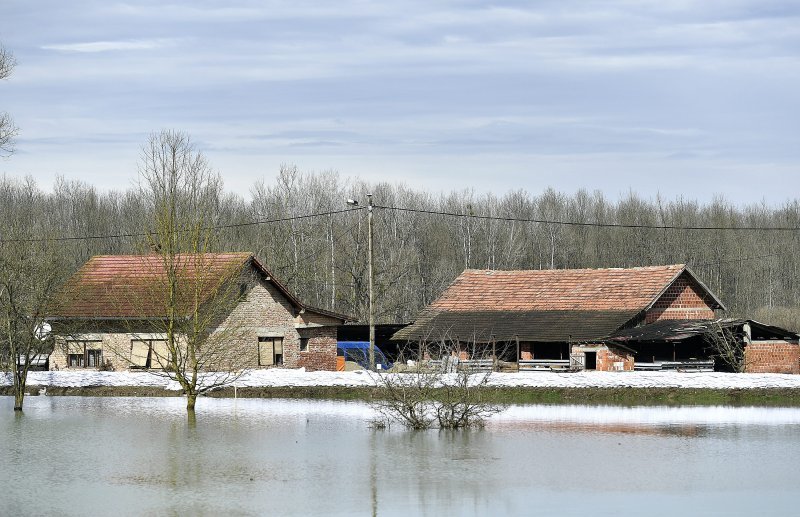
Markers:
point(371, 274)
point(371, 284)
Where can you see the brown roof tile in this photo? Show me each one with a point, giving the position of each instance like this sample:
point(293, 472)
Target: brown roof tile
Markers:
point(611, 289)
point(132, 286)
point(124, 286)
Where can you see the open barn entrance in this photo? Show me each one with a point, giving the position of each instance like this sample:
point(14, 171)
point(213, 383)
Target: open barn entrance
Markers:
point(591, 361)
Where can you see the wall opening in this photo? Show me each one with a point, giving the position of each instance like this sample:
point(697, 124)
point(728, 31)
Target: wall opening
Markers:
point(591, 361)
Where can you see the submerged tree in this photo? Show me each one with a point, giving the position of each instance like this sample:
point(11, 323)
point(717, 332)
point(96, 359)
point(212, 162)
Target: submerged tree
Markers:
point(194, 293)
point(438, 388)
point(30, 273)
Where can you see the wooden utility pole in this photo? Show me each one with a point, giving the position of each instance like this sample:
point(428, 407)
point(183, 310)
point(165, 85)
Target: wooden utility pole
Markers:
point(371, 284)
point(371, 275)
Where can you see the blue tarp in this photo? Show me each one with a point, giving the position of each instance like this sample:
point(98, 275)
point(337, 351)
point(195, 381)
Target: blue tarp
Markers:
point(360, 345)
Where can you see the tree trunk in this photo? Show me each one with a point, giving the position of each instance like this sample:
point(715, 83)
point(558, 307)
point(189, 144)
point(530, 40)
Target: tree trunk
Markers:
point(191, 398)
point(19, 396)
point(19, 390)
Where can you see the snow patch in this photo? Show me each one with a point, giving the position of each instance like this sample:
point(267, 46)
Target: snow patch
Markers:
point(299, 378)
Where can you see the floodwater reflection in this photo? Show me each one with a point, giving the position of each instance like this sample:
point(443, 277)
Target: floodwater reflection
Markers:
point(143, 456)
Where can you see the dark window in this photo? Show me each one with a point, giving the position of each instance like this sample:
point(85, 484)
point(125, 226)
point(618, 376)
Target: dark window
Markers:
point(94, 357)
point(303, 344)
point(84, 354)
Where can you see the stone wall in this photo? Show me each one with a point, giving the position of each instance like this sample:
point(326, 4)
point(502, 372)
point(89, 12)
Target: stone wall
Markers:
point(115, 347)
point(772, 357)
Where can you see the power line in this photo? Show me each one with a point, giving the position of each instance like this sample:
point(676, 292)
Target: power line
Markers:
point(593, 225)
point(207, 228)
point(743, 259)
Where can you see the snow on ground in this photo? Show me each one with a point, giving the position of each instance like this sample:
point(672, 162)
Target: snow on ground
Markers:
point(300, 377)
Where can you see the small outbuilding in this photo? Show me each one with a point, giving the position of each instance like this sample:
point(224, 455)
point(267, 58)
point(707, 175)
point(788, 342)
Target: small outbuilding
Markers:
point(693, 344)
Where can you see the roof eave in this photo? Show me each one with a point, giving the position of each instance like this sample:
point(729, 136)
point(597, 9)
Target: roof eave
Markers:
point(330, 314)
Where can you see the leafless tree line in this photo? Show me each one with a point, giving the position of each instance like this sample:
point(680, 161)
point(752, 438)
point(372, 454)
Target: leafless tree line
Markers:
point(7, 128)
point(323, 258)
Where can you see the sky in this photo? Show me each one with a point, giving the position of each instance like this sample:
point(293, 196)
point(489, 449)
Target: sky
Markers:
point(678, 98)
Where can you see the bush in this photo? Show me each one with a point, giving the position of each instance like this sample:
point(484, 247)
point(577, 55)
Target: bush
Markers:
point(443, 392)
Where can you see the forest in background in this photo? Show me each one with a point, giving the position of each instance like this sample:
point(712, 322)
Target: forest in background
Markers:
point(417, 254)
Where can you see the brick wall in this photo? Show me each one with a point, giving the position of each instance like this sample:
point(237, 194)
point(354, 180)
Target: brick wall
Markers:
point(683, 299)
point(772, 357)
point(608, 359)
point(612, 360)
point(320, 353)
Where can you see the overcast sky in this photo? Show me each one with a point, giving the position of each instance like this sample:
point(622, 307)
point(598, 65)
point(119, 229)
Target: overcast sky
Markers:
point(679, 97)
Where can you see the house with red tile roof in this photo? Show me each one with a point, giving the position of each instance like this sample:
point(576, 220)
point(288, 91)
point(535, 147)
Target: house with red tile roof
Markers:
point(562, 315)
point(108, 312)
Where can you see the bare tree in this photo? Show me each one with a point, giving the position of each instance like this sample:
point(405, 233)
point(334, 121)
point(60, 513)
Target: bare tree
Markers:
point(7, 128)
point(195, 299)
point(30, 273)
point(727, 346)
point(438, 389)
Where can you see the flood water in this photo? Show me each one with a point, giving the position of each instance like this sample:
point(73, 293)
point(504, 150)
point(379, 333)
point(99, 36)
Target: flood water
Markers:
point(140, 456)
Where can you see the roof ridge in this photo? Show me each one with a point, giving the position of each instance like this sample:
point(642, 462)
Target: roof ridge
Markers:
point(154, 254)
point(634, 268)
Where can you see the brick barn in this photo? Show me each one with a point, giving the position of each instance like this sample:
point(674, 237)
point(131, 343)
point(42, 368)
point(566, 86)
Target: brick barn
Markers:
point(108, 313)
point(546, 319)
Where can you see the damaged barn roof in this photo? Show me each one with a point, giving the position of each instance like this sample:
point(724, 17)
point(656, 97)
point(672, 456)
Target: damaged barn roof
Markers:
point(679, 330)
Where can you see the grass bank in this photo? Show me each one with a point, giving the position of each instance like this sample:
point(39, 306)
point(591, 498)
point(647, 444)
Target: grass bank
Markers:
point(785, 397)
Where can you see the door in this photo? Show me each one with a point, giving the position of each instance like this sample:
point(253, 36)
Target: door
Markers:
point(591, 360)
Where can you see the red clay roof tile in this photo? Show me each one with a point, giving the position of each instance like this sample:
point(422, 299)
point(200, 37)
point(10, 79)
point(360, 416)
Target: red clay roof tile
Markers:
point(124, 286)
point(557, 289)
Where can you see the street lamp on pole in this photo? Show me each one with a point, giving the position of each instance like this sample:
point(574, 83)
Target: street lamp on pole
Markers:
point(371, 274)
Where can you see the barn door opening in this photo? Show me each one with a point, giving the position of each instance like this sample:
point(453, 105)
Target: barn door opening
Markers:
point(591, 360)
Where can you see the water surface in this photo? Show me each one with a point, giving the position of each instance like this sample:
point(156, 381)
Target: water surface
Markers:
point(140, 456)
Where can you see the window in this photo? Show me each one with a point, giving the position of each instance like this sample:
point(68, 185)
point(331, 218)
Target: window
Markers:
point(75, 360)
point(270, 351)
point(84, 354)
point(149, 353)
point(94, 357)
point(303, 344)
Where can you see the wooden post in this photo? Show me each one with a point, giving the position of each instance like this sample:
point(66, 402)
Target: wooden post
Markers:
point(516, 338)
point(494, 356)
